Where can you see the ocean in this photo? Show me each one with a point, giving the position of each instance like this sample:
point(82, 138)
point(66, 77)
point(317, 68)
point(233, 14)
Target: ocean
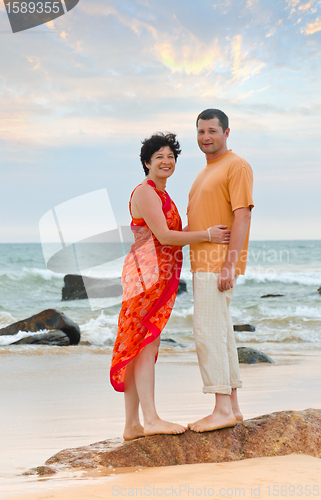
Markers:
point(289, 324)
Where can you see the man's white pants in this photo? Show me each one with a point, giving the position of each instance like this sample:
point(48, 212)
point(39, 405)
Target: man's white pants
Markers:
point(214, 335)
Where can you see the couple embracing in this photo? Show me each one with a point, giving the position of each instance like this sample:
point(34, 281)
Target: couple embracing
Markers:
point(219, 214)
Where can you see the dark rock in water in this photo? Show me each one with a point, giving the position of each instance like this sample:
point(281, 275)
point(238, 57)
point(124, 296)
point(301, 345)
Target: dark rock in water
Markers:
point(50, 319)
point(274, 434)
point(182, 287)
point(171, 343)
point(269, 295)
point(252, 356)
point(244, 328)
point(80, 287)
point(319, 289)
point(56, 337)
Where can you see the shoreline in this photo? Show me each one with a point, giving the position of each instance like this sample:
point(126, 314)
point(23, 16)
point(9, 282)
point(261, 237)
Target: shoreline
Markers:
point(58, 402)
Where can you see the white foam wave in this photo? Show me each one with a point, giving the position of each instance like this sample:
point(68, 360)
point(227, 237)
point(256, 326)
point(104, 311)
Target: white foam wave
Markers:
point(279, 336)
point(183, 313)
point(305, 313)
point(269, 276)
point(99, 331)
point(45, 274)
point(6, 319)
point(10, 339)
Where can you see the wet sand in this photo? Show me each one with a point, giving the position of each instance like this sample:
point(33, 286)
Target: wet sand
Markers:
point(54, 399)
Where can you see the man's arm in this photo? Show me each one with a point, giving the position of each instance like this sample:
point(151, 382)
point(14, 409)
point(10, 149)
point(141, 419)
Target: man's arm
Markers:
point(238, 233)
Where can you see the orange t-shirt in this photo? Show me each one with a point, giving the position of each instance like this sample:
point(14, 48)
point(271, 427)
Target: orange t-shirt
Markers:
point(222, 186)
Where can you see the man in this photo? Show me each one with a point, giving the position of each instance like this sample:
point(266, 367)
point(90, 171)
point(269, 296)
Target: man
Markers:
point(221, 194)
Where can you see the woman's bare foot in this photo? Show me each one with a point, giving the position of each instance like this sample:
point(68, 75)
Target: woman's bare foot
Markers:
point(159, 426)
point(216, 420)
point(133, 432)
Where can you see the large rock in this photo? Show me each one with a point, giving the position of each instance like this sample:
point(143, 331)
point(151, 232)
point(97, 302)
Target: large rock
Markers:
point(275, 434)
point(252, 356)
point(79, 287)
point(50, 319)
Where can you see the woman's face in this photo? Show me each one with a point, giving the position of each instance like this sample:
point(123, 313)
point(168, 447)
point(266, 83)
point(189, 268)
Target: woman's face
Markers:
point(162, 163)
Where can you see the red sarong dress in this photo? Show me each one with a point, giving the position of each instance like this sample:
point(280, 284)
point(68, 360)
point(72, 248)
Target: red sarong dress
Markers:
point(150, 280)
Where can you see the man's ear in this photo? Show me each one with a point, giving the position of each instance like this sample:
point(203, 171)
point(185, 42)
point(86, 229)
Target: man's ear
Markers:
point(227, 132)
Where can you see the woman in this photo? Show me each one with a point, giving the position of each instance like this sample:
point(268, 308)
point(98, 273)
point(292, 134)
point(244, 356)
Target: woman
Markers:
point(150, 281)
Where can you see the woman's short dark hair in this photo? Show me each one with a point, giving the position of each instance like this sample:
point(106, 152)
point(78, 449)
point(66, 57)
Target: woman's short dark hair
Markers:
point(156, 142)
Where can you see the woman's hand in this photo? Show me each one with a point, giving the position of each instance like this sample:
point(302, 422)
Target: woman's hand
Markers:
point(219, 234)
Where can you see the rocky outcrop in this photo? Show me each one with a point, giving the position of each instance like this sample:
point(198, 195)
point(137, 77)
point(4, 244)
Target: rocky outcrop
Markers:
point(80, 287)
point(319, 289)
point(244, 328)
point(50, 319)
point(252, 356)
point(275, 434)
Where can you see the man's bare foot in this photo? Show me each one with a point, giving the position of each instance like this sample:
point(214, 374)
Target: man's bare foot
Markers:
point(160, 426)
point(238, 415)
point(133, 432)
point(213, 422)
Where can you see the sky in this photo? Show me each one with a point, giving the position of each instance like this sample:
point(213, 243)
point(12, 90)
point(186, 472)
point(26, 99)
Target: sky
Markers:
point(80, 93)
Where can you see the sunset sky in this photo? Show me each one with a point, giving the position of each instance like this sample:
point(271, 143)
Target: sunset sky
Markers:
point(78, 94)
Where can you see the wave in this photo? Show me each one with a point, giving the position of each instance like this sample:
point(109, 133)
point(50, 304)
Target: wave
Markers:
point(307, 279)
point(10, 339)
point(100, 331)
point(27, 272)
point(279, 336)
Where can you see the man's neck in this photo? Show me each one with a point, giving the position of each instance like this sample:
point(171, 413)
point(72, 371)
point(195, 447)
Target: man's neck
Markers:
point(217, 154)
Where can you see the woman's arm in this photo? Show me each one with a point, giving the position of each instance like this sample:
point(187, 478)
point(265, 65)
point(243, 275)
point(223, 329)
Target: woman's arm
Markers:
point(147, 205)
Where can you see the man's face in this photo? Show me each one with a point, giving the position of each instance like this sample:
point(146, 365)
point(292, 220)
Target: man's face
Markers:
point(211, 138)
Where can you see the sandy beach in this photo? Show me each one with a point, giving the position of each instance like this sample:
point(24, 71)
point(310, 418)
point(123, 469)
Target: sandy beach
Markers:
point(56, 399)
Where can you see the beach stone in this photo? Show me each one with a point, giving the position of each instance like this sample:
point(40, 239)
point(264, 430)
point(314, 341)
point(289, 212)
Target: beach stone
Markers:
point(56, 337)
point(271, 295)
point(170, 343)
point(78, 287)
point(252, 356)
point(274, 434)
point(50, 319)
point(244, 328)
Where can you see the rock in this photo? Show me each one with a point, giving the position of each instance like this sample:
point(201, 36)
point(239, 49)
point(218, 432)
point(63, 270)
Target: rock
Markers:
point(41, 471)
point(274, 434)
point(252, 356)
point(244, 328)
point(182, 287)
point(269, 295)
point(171, 343)
point(56, 337)
point(50, 319)
point(78, 287)
point(319, 289)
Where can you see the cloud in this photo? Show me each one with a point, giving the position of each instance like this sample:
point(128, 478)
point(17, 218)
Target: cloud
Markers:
point(243, 66)
point(312, 28)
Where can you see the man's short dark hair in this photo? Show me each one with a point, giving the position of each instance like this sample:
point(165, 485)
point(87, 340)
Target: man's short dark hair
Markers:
point(156, 142)
point(210, 113)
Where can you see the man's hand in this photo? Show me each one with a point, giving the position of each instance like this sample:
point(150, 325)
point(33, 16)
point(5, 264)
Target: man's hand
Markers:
point(226, 277)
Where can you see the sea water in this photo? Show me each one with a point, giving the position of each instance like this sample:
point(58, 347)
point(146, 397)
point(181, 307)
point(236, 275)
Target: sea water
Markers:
point(289, 323)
